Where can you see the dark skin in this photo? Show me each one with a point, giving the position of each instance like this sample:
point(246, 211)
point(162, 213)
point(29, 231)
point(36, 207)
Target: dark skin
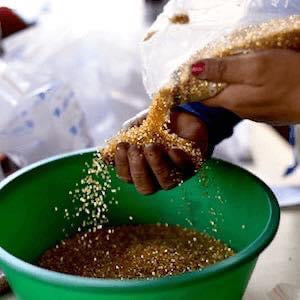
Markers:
point(150, 168)
point(262, 86)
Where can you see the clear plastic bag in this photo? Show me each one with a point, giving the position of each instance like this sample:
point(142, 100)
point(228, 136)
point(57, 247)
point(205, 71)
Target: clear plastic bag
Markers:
point(40, 116)
point(168, 45)
point(256, 11)
point(102, 67)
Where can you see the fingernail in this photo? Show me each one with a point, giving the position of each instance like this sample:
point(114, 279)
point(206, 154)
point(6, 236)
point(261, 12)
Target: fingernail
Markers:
point(198, 68)
point(149, 149)
point(153, 147)
point(134, 148)
point(149, 145)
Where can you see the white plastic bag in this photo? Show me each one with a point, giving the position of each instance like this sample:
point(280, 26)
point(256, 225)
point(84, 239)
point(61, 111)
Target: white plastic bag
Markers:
point(101, 66)
point(170, 45)
point(40, 116)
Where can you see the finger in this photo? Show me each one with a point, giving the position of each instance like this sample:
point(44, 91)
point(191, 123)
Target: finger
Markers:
point(241, 69)
point(236, 97)
point(140, 172)
point(181, 161)
point(266, 113)
point(122, 163)
point(247, 103)
point(136, 120)
point(161, 166)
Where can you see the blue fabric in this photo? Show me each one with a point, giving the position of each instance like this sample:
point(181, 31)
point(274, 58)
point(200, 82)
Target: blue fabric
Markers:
point(292, 138)
point(292, 141)
point(219, 122)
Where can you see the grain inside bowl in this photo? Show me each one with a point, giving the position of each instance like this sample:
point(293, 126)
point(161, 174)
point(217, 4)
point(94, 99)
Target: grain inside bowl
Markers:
point(128, 252)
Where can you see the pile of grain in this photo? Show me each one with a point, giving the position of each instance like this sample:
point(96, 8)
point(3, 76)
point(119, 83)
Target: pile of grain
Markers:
point(143, 251)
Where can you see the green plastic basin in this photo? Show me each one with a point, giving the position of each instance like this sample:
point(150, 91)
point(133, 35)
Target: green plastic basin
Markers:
point(223, 200)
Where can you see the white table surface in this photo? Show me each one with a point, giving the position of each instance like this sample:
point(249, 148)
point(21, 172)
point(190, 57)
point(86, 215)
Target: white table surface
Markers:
point(280, 263)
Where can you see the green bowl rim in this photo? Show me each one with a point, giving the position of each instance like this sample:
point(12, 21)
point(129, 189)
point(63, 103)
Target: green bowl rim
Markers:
point(246, 255)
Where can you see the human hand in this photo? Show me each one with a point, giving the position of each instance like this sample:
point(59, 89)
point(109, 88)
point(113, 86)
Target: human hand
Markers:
point(262, 86)
point(152, 167)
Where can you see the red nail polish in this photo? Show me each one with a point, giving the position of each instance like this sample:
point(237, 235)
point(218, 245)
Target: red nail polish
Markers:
point(198, 68)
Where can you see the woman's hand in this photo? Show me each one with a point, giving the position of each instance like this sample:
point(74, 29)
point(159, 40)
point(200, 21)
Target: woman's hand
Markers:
point(263, 86)
point(152, 167)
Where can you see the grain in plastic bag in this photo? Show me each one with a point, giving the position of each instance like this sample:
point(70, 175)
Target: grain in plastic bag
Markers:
point(191, 30)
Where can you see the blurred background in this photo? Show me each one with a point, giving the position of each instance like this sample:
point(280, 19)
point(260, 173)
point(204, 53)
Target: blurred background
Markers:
point(70, 75)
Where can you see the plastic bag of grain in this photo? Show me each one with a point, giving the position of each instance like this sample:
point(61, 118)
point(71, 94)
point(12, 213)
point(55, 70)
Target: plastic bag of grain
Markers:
point(186, 26)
